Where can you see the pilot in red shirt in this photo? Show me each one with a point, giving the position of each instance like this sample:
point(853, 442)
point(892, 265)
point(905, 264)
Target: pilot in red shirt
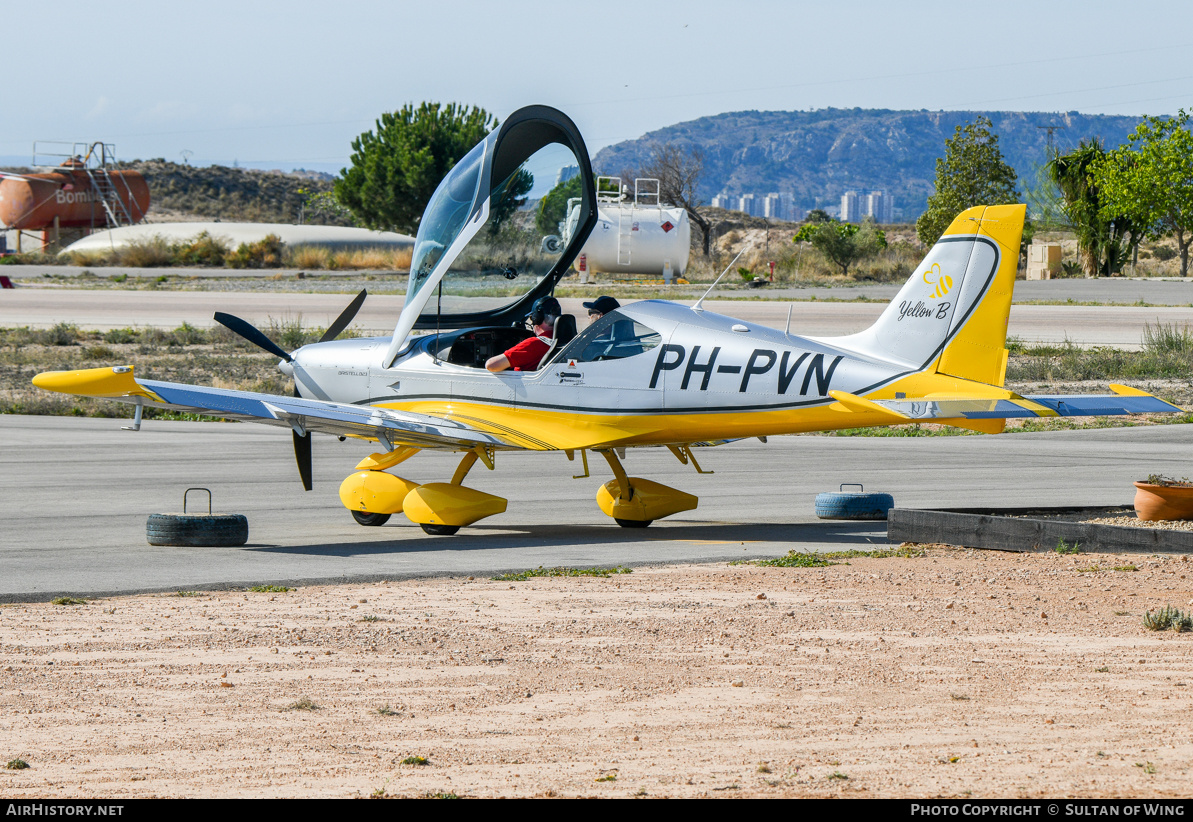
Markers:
point(526, 355)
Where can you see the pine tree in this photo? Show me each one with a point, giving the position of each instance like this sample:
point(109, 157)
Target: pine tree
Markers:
point(972, 172)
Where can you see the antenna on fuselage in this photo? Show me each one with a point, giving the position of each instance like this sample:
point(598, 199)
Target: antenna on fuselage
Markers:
point(697, 307)
point(787, 330)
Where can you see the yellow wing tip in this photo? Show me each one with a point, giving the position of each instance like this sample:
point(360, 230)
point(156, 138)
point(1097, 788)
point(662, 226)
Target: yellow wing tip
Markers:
point(1127, 391)
point(111, 381)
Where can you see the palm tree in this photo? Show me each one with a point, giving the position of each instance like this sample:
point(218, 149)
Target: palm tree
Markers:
point(1103, 246)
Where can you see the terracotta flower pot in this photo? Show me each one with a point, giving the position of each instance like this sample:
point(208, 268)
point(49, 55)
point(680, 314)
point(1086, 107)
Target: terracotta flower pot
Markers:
point(1160, 502)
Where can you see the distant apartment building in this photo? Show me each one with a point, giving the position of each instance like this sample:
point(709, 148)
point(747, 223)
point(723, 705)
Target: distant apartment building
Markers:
point(851, 207)
point(880, 206)
point(855, 206)
point(773, 206)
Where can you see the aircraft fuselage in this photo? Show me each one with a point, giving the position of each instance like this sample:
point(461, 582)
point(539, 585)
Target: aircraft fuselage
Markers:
point(685, 376)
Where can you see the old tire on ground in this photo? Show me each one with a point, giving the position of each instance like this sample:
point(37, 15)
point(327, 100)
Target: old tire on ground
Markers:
point(633, 523)
point(368, 518)
point(440, 530)
point(837, 505)
point(197, 529)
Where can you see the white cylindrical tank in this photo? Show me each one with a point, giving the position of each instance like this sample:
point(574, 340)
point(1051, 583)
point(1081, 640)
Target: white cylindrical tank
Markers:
point(636, 239)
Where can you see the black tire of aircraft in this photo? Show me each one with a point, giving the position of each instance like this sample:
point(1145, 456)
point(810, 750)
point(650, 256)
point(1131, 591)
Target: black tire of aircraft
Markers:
point(195, 530)
point(439, 530)
point(633, 523)
point(367, 518)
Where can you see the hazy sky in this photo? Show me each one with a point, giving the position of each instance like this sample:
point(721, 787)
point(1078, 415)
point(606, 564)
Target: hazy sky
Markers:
point(273, 84)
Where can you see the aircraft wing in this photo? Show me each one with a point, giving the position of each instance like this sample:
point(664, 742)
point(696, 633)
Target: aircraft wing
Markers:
point(1124, 400)
point(302, 415)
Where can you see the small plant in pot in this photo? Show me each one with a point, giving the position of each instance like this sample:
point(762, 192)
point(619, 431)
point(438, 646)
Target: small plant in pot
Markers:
point(1163, 498)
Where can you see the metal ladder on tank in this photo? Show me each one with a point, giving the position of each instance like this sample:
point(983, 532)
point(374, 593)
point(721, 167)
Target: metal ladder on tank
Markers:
point(645, 196)
point(609, 193)
point(116, 211)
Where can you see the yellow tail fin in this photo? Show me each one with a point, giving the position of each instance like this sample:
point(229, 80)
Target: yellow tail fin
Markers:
point(978, 350)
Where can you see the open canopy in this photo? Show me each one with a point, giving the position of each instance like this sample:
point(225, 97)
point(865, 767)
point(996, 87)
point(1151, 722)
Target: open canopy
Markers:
point(480, 258)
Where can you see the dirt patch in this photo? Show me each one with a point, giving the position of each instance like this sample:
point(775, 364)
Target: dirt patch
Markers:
point(954, 674)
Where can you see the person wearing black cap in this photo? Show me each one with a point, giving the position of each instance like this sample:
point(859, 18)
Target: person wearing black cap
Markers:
point(526, 355)
point(601, 306)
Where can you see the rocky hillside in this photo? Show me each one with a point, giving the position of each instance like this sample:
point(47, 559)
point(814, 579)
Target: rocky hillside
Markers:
point(818, 155)
point(219, 192)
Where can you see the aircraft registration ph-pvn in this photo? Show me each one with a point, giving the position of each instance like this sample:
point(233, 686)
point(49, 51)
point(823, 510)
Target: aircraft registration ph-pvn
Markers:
point(652, 373)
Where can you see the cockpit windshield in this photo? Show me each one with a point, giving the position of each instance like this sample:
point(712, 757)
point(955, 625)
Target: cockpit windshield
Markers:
point(445, 217)
point(517, 246)
point(488, 243)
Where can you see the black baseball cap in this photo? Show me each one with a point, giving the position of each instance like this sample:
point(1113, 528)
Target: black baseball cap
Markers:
point(604, 304)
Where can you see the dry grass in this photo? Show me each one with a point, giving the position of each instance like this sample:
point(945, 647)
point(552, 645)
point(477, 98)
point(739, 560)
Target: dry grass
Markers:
point(185, 354)
point(322, 258)
point(206, 251)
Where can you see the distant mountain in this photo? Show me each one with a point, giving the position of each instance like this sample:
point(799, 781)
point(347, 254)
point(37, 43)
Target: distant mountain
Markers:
point(819, 155)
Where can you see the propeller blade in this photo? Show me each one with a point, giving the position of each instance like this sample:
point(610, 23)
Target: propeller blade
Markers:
point(250, 333)
point(345, 317)
point(302, 455)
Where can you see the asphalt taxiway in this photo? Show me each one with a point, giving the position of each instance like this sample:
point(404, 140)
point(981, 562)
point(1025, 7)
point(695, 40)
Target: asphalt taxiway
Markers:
point(76, 494)
point(1116, 325)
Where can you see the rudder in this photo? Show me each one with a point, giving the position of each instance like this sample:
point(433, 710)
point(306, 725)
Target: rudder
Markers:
point(951, 315)
point(977, 349)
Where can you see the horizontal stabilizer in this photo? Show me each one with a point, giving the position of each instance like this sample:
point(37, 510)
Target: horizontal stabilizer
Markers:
point(1058, 405)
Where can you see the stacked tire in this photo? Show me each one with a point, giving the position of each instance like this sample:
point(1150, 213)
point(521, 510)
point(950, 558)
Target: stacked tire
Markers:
point(197, 530)
point(853, 506)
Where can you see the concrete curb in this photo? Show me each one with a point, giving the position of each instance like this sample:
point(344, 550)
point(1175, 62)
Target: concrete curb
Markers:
point(1004, 533)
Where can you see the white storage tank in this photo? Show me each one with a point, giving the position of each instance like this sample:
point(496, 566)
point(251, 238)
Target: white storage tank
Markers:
point(634, 235)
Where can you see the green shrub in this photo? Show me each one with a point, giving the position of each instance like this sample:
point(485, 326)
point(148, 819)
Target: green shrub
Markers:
point(121, 336)
point(1167, 339)
point(1168, 618)
point(153, 252)
point(60, 334)
point(265, 253)
point(187, 334)
point(1163, 253)
point(98, 352)
point(202, 250)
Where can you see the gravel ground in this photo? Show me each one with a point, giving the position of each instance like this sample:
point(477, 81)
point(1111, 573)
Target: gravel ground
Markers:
point(953, 674)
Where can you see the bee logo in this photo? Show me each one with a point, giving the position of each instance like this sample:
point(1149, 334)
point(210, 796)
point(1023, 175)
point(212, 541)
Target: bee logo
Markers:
point(943, 282)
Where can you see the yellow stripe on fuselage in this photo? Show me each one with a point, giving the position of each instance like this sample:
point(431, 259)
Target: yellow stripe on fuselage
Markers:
point(567, 429)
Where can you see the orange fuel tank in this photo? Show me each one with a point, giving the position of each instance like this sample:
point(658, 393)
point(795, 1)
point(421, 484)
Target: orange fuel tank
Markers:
point(32, 201)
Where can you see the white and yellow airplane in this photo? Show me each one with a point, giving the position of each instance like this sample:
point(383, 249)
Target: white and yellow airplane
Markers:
point(653, 373)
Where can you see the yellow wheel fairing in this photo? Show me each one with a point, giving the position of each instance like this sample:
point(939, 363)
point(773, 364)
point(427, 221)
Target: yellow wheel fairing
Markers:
point(375, 492)
point(649, 500)
point(442, 503)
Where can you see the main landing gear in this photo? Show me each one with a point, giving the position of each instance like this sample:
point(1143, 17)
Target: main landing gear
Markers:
point(440, 508)
point(634, 502)
point(443, 508)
